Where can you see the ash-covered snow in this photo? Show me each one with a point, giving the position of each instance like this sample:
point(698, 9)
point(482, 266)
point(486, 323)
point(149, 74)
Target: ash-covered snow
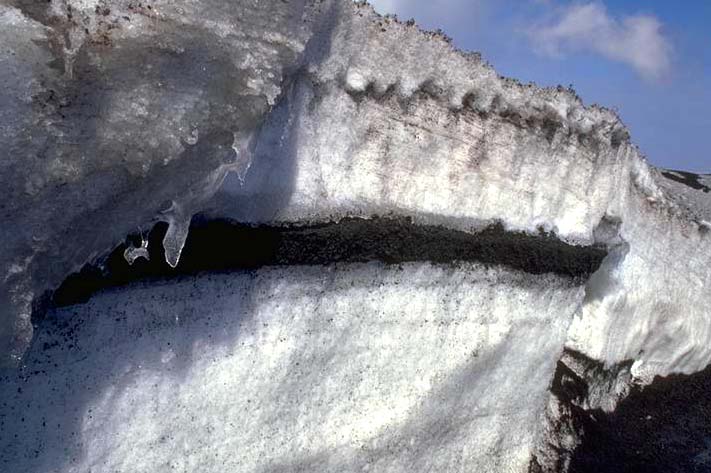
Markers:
point(114, 116)
point(690, 191)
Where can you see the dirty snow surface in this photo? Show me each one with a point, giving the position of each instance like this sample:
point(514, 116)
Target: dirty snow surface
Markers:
point(124, 123)
point(336, 368)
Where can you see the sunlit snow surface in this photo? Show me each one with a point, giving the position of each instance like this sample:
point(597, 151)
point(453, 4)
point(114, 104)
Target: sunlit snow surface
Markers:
point(340, 368)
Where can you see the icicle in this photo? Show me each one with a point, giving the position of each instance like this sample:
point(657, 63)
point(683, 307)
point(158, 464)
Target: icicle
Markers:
point(132, 253)
point(243, 160)
point(174, 240)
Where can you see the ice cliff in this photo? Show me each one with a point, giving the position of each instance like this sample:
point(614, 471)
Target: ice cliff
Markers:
point(418, 265)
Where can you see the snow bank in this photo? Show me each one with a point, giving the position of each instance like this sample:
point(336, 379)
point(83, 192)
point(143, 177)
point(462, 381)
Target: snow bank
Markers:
point(337, 368)
point(115, 116)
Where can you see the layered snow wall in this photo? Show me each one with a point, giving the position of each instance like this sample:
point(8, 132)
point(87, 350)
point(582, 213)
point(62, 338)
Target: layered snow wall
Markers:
point(116, 115)
point(366, 132)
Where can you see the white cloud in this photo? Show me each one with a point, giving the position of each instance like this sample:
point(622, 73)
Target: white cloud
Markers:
point(635, 40)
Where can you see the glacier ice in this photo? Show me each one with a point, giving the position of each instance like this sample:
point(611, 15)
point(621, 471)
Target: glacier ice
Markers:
point(116, 114)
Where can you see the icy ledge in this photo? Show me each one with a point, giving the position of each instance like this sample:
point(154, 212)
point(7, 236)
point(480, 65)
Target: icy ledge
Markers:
point(116, 115)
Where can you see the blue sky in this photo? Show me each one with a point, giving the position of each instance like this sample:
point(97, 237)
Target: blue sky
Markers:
point(649, 60)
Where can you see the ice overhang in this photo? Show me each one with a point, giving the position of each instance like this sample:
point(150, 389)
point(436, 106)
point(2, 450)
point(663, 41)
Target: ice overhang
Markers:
point(225, 245)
